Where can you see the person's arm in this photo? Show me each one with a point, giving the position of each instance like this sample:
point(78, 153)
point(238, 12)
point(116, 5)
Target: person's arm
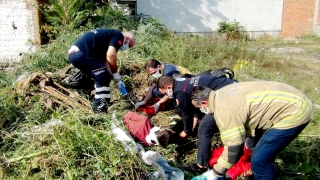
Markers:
point(149, 94)
point(187, 114)
point(195, 122)
point(233, 137)
point(112, 59)
point(164, 99)
point(106, 64)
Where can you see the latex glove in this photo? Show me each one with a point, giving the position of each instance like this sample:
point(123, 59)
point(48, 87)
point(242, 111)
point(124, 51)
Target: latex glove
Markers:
point(156, 107)
point(138, 104)
point(116, 77)
point(209, 175)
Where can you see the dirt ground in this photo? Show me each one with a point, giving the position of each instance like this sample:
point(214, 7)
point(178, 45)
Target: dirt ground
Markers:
point(308, 53)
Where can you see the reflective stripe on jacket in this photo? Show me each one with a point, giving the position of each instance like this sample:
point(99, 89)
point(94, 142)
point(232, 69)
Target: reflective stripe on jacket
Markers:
point(242, 108)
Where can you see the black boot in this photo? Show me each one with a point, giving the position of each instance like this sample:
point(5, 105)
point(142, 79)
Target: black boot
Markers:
point(100, 106)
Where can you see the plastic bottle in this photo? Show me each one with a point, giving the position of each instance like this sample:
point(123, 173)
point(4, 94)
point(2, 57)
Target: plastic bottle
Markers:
point(123, 89)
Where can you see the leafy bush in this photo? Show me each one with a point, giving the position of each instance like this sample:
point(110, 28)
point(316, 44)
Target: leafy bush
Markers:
point(232, 30)
point(63, 14)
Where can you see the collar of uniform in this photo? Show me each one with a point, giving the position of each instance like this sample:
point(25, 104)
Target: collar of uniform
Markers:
point(211, 101)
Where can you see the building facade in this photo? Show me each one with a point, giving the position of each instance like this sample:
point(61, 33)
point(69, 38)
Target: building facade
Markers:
point(19, 29)
point(288, 19)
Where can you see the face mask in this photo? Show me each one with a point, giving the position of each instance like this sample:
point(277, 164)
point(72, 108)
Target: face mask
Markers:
point(125, 46)
point(204, 111)
point(157, 75)
point(169, 94)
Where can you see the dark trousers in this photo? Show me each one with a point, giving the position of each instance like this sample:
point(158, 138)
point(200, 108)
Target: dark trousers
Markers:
point(206, 130)
point(272, 142)
point(96, 69)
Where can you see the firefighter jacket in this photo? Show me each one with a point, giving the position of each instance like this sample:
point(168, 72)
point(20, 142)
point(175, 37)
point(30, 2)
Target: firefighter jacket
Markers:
point(242, 108)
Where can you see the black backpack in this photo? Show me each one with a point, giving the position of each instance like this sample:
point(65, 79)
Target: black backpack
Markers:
point(222, 72)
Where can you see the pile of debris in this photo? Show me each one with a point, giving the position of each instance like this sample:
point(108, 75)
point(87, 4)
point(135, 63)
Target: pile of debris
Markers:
point(51, 92)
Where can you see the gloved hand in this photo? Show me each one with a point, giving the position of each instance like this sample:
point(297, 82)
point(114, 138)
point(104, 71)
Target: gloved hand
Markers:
point(138, 104)
point(156, 107)
point(209, 175)
point(116, 77)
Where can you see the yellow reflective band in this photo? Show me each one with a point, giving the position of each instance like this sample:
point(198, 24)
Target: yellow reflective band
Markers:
point(232, 132)
point(224, 163)
point(273, 96)
point(183, 70)
point(305, 109)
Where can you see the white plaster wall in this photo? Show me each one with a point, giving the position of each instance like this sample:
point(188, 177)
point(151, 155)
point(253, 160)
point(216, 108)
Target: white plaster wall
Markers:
point(16, 30)
point(204, 15)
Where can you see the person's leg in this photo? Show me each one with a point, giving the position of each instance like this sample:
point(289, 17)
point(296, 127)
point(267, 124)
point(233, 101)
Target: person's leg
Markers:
point(101, 77)
point(206, 130)
point(272, 142)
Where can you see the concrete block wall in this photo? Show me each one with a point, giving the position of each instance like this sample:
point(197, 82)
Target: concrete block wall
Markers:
point(19, 29)
point(298, 18)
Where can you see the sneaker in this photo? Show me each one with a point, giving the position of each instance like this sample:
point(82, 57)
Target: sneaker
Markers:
point(100, 107)
point(193, 168)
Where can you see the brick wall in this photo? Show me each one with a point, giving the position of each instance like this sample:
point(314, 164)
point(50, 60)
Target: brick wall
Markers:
point(19, 29)
point(298, 17)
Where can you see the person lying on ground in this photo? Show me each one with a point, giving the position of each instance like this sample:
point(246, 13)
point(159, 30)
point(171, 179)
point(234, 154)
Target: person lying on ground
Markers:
point(279, 110)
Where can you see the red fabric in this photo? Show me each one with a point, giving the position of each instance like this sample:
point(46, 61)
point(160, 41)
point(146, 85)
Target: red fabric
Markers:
point(246, 154)
point(138, 125)
point(150, 110)
point(243, 166)
point(215, 154)
point(147, 109)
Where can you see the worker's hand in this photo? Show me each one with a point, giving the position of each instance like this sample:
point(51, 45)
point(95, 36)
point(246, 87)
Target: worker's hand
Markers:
point(138, 104)
point(183, 134)
point(156, 107)
point(116, 77)
point(209, 175)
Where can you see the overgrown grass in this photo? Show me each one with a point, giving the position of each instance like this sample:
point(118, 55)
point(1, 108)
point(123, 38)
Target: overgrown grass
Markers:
point(82, 147)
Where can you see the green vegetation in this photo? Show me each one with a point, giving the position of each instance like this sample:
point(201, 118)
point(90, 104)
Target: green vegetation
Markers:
point(232, 30)
point(82, 146)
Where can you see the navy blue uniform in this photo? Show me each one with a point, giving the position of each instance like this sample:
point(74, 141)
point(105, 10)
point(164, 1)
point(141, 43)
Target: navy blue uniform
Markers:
point(95, 43)
point(90, 55)
point(182, 88)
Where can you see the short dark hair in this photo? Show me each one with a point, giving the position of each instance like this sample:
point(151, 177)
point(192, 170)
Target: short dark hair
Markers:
point(164, 81)
point(166, 137)
point(200, 93)
point(152, 63)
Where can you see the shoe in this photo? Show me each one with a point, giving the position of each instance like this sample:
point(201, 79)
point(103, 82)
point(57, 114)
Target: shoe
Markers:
point(193, 168)
point(100, 106)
